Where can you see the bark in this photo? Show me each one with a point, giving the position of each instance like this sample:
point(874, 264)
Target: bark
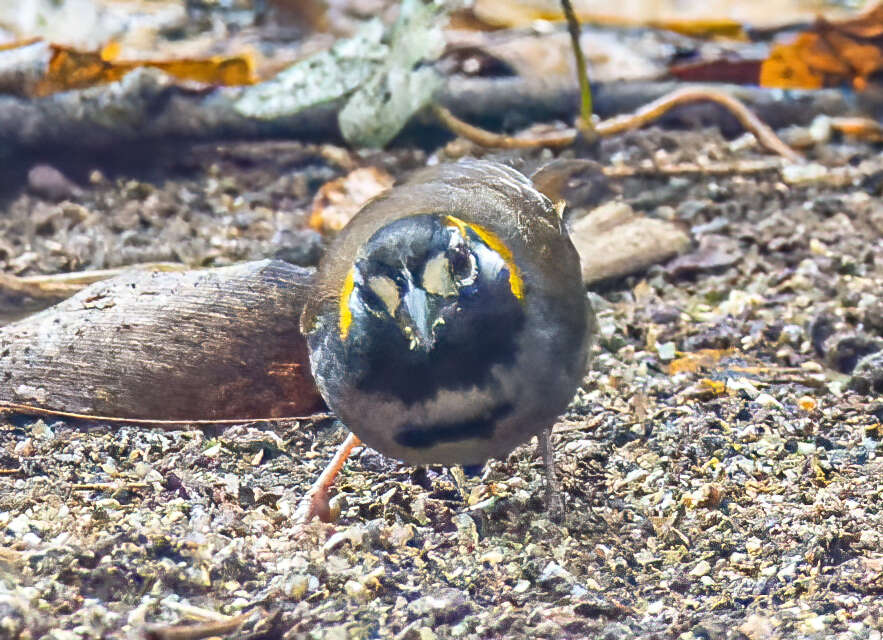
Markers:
point(146, 105)
point(211, 344)
point(613, 241)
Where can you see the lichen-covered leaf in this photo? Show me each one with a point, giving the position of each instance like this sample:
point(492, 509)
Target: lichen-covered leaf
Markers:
point(379, 109)
point(320, 78)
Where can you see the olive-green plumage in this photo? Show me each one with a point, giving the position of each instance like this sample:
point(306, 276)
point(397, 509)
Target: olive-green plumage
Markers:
point(450, 323)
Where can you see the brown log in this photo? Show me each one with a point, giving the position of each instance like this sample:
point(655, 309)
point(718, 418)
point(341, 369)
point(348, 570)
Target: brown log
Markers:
point(210, 344)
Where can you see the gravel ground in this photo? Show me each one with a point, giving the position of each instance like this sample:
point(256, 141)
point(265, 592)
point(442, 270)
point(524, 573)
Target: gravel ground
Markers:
point(722, 465)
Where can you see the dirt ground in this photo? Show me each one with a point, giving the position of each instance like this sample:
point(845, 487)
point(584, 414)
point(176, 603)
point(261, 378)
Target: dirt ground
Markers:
point(722, 464)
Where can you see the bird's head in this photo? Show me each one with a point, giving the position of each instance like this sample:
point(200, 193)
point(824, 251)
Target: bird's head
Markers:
point(421, 281)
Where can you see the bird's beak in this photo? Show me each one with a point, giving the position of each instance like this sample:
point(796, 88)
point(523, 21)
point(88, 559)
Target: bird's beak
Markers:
point(419, 318)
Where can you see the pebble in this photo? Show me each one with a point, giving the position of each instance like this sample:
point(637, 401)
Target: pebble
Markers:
point(19, 525)
point(702, 568)
point(45, 181)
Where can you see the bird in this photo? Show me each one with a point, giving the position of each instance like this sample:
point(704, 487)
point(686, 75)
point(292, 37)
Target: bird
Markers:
point(449, 322)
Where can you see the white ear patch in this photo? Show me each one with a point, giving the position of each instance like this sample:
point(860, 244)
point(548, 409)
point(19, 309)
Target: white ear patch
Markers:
point(437, 276)
point(387, 291)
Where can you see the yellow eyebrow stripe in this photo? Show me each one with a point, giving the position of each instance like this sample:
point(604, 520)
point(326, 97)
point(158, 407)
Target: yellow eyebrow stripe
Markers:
point(346, 316)
point(492, 240)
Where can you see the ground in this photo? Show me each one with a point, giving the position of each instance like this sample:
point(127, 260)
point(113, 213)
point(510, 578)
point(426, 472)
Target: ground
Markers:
point(722, 472)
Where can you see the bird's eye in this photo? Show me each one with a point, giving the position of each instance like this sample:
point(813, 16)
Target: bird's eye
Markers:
point(462, 264)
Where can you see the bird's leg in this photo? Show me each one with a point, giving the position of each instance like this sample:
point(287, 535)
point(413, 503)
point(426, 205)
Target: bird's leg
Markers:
point(554, 498)
point(315, 502)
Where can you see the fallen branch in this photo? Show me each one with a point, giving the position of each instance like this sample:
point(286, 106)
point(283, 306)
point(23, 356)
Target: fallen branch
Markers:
point(146, 105)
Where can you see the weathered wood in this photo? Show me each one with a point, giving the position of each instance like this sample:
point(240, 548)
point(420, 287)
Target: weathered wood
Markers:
point(215, 343)
point(147, 106)
point(613, 241)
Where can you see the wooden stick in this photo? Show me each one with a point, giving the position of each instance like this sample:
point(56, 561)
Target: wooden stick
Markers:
point(493, 140)
point(643, 116)
point(653, 110)
point(28, 409)
point(195, 631)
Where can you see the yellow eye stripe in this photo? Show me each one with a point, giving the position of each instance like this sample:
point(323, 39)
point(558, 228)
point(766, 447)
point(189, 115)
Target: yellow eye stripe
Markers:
point(492, 240)
point(346, 316)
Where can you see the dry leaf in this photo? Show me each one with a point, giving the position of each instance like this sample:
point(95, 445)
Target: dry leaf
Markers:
point(832, 54)
point(720, 18)
point(702, 359)
point(72, 69)
point(337, 201)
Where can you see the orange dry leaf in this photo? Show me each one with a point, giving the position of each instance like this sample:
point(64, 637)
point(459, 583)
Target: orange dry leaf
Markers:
point(708, 28)
point(702, 359)
point(72, 69)
point(807, 403)
point(503, 13)
point(832, 54)
point(717, 387)
point(861, 128)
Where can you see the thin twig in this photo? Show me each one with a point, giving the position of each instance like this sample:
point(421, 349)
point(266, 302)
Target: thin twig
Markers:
point(493, 140)
point(714, 168)
point(107, 486)
point(16, 407)
point(766, 137)
point(195, 631)
point(653, 110)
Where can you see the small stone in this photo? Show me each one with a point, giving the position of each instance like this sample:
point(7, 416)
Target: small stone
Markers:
point(799, 174)
point(757, 627)
point(443, 606)
point(466, 528)
point(806, 448)
point(768, 401)
point(494, 556)
point(702, 568)
point(45, 181)
point(31, 539)
point(521, 586)
point(554, 571)
point(666, 351)
point(753, 546)
point(355, 589)
point(19, 525)
point(655, 608)
point(820, 129)
point(41, 430)
point(815, 624)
